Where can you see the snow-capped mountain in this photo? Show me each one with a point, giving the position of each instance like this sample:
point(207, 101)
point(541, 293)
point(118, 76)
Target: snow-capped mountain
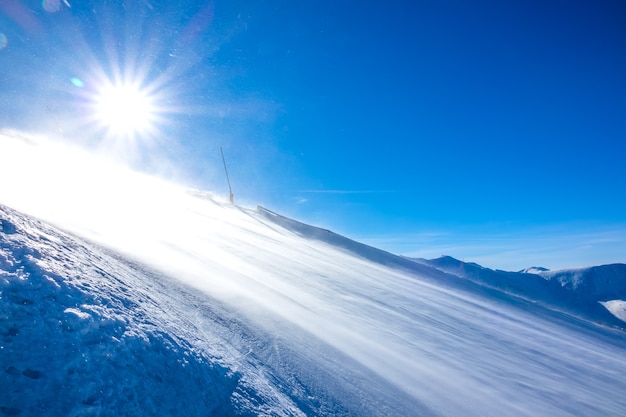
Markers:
point(534, 270)
point(605, 283)
point(220, 310)
point(594, 293)
point(602, 282)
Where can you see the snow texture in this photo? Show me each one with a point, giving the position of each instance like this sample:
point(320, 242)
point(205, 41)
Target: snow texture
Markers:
point(157, 301)
point(83, 333)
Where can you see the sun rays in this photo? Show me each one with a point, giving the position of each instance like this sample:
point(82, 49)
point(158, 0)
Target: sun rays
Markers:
point(125, 110)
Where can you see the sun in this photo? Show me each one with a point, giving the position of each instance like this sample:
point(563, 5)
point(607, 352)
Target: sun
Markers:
point(126, 110)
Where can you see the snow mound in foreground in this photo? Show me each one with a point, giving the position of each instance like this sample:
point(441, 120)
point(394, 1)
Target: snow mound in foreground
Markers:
point(83, 333)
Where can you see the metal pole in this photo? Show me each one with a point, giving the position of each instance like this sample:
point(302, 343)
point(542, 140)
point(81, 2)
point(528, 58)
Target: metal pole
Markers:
point(230, 190)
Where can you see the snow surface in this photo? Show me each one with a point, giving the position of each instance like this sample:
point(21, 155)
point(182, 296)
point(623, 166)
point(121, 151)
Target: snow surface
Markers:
point(157, 301)
point(616, 307)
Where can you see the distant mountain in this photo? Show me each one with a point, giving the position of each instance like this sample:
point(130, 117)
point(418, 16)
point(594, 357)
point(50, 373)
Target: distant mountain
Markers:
point(534, 270)
point(583, 292)
point(605, 284)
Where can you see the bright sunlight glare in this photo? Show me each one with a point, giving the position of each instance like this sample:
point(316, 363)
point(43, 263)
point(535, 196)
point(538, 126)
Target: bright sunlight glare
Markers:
point(80, 189)
point(125, 110)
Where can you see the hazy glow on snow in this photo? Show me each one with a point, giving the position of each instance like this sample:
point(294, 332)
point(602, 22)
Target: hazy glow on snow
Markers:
point(301, 129)
point(453, 352)
point(69, 185)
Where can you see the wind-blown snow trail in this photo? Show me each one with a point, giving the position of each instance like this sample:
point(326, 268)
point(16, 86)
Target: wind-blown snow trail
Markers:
point(297, 324)
point(245, 312)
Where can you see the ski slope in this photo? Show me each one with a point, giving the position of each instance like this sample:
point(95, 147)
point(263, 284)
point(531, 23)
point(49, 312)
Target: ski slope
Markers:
point(157, 301)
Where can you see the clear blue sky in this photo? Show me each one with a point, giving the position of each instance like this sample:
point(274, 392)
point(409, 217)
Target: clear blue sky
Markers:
point(493, 131)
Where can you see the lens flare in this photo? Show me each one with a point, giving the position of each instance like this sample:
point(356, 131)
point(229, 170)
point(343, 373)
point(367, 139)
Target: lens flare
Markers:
point(51, 6)
point(77, 82)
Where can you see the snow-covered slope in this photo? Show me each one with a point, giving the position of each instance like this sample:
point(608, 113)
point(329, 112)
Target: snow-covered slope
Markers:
point(84, 332)
point(154, 301)
point(245, 312)
point(594, 293)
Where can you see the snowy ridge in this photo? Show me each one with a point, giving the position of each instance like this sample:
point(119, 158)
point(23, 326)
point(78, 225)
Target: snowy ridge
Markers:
point(356, 248)
point(201, 308)
point(604, 282)
point(581, 292)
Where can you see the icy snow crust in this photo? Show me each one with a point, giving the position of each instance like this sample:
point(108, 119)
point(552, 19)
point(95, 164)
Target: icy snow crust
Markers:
point(159, 302)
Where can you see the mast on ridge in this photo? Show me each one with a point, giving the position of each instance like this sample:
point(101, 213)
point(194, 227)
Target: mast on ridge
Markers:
point(230, 190)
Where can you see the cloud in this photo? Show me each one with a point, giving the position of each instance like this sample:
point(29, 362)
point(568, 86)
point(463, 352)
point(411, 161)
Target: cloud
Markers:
point(322, 191)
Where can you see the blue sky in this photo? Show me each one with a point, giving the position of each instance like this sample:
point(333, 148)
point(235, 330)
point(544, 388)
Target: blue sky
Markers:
point(490, 131)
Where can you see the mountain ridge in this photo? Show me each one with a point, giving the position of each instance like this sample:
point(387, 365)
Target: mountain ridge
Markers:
point(580, 291)
point(548, 289)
